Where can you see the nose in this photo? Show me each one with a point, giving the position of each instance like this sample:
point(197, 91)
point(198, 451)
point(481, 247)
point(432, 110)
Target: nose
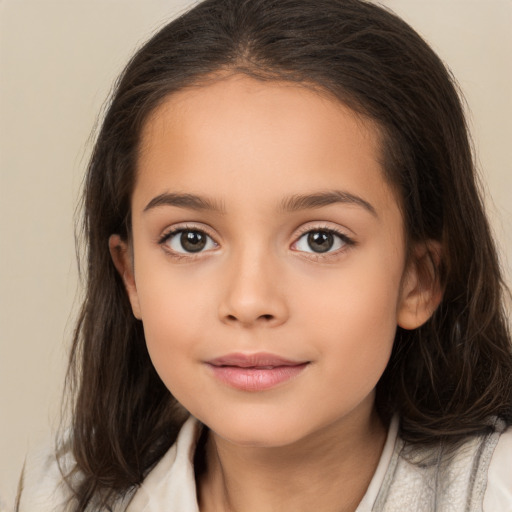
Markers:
point(253, 293)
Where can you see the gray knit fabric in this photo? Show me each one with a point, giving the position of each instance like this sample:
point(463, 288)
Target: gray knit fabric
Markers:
point(433, 480)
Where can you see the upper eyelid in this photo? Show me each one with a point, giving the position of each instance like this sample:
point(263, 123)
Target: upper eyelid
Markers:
point(174, 229)
point(347, 237)
point(297, 233)
point(169, 233)
point(323, 226)
point(347, 240)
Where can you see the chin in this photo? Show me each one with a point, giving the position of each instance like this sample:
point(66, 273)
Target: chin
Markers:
point(258, 439)
point(259, 431)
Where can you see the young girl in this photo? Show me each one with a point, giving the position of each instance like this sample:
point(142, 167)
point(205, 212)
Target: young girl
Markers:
point(293, 298)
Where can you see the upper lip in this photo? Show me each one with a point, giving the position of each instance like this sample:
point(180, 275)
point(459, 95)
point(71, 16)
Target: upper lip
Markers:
point(259, 360)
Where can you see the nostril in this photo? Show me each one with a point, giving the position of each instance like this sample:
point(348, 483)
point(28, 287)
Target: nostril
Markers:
point(234, 318)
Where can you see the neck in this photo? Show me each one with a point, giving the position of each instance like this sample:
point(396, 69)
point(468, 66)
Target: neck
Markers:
point(329, 471)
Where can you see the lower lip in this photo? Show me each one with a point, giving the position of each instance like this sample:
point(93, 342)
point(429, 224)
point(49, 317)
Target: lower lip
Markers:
point(256, 379)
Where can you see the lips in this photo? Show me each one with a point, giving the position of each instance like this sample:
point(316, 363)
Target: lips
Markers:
point(254, 372)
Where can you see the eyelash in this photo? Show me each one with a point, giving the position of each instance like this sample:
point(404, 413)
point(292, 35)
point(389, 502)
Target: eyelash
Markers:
point(315, 256)
point(347, 242)
point(168, 235)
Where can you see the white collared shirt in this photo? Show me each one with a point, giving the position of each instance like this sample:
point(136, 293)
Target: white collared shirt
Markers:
point(170, 485)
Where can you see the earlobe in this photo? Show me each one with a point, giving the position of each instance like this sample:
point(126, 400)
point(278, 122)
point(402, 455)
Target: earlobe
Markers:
point(123, 261)
point(421, 291)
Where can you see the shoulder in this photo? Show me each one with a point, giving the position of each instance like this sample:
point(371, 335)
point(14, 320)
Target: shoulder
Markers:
point(42, 487)
point(475, 474)
point(498, 494)
point(171, 481)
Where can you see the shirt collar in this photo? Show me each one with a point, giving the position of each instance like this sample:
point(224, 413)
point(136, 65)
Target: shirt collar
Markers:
point(171, 485)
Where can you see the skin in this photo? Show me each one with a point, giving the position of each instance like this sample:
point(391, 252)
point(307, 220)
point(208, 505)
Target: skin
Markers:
point(312, 442)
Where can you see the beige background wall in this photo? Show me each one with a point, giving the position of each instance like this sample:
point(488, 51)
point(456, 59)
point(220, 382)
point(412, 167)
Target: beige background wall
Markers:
point(57, 62)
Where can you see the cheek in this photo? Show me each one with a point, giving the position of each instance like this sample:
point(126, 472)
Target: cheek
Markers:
point(360, 298)
point(172, 297)
point(173, 341)
point(353, 320)
point(173, 313)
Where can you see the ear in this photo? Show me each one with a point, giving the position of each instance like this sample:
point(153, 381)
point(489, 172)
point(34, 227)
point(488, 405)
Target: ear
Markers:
point(421, 290)
point(123, 261)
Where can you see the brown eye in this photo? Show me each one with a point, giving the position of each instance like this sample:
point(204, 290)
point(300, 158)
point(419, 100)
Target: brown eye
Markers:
point(193, 241)
point(320, 241)
point(189, 241)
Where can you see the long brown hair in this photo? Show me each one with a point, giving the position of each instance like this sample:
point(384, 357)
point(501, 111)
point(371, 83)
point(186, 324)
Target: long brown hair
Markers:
point(444, 379)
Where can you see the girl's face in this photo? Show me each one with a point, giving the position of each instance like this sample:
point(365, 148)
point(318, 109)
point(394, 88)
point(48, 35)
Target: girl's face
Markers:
point(269, 264)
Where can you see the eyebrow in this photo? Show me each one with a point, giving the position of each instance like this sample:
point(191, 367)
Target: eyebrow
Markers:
point(320, 199)
point(190, 201)
point(293, 203)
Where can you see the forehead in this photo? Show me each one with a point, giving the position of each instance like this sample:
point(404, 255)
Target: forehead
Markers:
point(239, 135)
point(233, 98)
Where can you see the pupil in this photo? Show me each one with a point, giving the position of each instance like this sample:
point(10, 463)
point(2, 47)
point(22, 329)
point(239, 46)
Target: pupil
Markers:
point(320, 241)
point(192, 241)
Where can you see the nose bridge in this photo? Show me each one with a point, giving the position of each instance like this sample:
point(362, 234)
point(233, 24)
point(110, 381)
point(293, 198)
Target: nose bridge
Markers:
point(254, 291)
